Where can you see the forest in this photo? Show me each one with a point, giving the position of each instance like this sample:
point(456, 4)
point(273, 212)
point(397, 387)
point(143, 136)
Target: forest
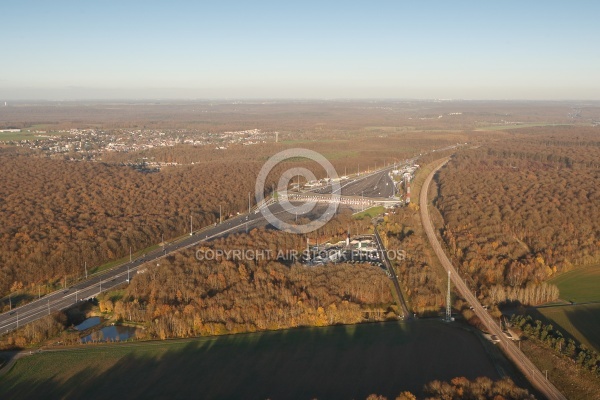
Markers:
point(189, 297)
point(59, 215)
point(418, 273)
point(291, 116)
point(479, 388)
point(463, 388)
point(521, 210)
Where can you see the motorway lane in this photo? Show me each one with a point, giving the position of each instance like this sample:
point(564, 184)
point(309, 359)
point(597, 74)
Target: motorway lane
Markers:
point(528, 369)
point(364, 183)
point(65, 298)
point(373, 185)
point(106, 280)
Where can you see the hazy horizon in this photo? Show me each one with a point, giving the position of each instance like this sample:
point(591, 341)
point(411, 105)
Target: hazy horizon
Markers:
point(388, 50)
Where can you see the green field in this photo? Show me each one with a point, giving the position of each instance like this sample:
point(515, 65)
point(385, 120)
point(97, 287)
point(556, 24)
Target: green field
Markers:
point(340, 154)
point(581, 285)
point(370, 212)
point(334, 362)
point(518, 126)
point(389, 128)
point(581, 321)
point(8, 136)
point(24, 135)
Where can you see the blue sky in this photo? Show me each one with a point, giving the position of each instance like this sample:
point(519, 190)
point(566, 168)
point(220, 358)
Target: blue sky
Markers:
point(259, 49)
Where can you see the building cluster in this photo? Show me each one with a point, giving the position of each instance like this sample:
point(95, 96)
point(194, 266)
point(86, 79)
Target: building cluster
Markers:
point(359, 249)
point(402, 177)
point(92, 143)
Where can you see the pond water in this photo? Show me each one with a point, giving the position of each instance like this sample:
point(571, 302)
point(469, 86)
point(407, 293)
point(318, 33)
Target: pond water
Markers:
point(88, 323)
point(110, 333)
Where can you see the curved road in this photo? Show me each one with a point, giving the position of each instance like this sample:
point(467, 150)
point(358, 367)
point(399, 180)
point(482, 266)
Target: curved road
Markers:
point(61, 299)
point(528, 369)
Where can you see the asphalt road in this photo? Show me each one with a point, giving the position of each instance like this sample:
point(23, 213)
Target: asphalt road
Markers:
point(530, 371)
point(91, 287)
point(81, 291)
point(376, 184)
point(393, 276)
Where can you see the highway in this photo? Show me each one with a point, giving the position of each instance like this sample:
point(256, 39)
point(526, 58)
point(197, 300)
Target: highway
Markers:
point(89, 288)
point(528, 369)
point(376, 184)
point(63, 299)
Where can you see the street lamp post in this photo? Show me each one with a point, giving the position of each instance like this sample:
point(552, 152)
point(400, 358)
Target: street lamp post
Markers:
point(363, 200)
point(248, 217)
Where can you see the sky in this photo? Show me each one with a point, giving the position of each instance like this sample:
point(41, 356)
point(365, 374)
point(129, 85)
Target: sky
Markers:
point(59, 50)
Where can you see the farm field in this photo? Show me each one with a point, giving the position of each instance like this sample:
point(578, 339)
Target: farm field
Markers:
point(369, 212)
point(518, 126)
point(8, 136)
point(581, 321)
point(335, 362)
point(580, 285)
point(25, 135)
point(576, 384)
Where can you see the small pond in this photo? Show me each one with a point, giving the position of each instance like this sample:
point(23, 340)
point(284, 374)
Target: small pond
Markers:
point(110, 333)
point(88, 323)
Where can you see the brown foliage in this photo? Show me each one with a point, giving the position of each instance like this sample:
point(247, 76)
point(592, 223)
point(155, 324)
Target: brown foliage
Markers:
point(187, 297)
point(418, 276)
point(480, 388)
point(519, 211)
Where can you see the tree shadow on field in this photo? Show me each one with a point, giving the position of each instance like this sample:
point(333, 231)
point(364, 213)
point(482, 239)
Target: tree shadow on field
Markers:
point(587, 321)
point(583, 318)
point(334, 362)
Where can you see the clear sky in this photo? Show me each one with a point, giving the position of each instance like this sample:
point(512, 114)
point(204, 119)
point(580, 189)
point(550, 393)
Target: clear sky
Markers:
point(304, 49)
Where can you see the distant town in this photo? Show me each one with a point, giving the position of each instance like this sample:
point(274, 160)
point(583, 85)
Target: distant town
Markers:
point(91, 144)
